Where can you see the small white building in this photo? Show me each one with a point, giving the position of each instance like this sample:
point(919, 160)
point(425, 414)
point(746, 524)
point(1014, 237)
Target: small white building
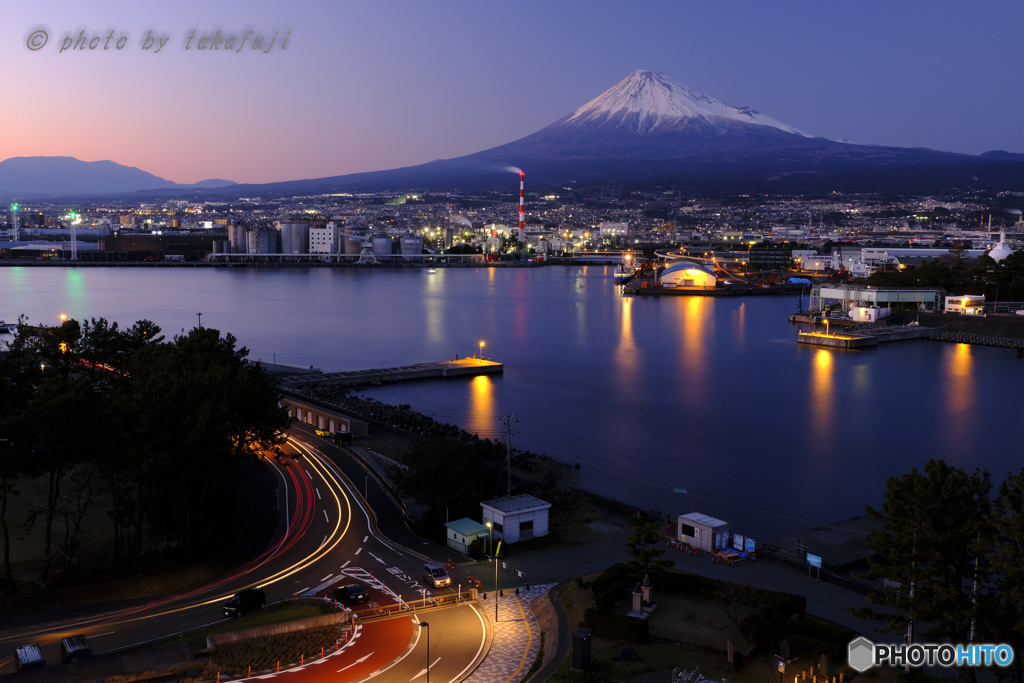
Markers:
point(868, 314)
point(702, 531)
point(966, 304)
point(461, 534)
point(518, 518)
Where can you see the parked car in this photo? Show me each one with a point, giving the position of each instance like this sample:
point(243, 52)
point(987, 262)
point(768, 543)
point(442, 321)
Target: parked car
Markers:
point(29, 657)
point(75, 648)
point(352, 594)
point(244, 602)
point(435, 575)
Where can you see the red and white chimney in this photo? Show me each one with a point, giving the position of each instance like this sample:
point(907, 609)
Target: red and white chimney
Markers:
point(522, 199)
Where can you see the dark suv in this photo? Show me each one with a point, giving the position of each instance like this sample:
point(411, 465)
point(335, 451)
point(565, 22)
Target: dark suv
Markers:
point(246, 601)
point(352, 594)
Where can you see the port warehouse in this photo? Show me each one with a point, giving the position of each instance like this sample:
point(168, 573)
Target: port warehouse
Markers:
point(321, 417)
point(841, 298)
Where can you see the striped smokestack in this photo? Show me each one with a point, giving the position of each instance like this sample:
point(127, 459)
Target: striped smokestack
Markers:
point(522, 216)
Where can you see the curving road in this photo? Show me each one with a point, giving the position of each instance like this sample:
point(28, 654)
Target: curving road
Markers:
point(330, 538)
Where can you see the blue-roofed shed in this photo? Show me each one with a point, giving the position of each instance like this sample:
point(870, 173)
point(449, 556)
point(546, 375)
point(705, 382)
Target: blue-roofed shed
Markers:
point(462, 532)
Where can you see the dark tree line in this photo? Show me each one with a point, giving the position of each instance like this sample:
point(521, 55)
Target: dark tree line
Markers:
point(998, 281)
point(949, 559)
point(119, 422)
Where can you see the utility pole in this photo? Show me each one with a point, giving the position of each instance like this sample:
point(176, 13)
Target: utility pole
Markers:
point(508, 447)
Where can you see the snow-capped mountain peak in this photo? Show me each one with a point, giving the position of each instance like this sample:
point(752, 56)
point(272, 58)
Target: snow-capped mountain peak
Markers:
point(648, 100)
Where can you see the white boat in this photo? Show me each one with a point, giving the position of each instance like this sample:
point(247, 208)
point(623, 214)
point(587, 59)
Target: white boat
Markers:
point(8, 328)
point(624, 271)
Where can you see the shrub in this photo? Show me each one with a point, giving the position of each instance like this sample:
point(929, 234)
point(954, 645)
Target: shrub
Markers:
point(617, 626)
point(616, 572)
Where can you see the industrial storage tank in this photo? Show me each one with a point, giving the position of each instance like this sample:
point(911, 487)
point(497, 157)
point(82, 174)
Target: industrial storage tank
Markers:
point(353, 245)
point(294, 238)
point(412, 245)
point(237, 238)
point(382, 246)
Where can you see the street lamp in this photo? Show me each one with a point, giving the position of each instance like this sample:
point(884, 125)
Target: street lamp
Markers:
point(496, 582)
point(481, 349)
point(490, 537)
point(425, 625)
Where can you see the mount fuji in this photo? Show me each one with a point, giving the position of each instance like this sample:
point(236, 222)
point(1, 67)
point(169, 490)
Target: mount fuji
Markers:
point(648, 130)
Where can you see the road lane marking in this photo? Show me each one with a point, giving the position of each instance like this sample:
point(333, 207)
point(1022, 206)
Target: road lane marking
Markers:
point(318, 494)
point(326, 518)
point(327, 578)
point(359, 551)
point(365, 539)
point(376, 558)
point(483, 642)
point(358, 661)
point(301, 591)
point(347, 563)
point(423, 671)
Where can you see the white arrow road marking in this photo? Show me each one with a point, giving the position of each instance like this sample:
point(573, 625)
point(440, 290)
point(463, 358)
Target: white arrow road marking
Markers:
point(424, 671)
point(358, 661)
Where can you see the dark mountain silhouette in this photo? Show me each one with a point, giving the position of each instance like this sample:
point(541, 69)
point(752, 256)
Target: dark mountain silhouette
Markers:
point(25, 177)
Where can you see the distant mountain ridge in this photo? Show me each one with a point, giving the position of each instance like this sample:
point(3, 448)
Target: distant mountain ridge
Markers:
point(647, 130)
point(41, 176)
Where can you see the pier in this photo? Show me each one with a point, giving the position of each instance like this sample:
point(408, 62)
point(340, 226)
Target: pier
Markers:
point(361, 378)
point(860, 340)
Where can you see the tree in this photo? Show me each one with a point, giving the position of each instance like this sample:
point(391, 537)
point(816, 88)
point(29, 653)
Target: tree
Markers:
point(646, 547)
point(450, 476)
point(929, 552)
point(1006, 603)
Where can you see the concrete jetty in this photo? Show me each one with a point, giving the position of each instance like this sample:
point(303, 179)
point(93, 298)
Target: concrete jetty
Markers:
point(362, 378)
point(861, 339)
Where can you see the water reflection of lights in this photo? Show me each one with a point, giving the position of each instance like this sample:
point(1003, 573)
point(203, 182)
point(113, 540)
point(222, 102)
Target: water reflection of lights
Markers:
point(625, 353)
point(822, 396)
point(481, 406)
point(434, 306)
point(959, 393)
point(697, 326)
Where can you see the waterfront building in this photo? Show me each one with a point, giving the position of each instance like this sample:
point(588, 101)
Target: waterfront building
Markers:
point(517, 518)
point(685, 273)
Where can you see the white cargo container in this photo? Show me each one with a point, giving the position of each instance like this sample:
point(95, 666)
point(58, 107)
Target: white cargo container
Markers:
point(702, 531)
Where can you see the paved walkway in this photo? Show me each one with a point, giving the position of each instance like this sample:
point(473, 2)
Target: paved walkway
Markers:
point(516, 639)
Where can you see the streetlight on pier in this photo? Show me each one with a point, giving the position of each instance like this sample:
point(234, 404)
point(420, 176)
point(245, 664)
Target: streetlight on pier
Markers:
point(481, 349)
point(426, 625)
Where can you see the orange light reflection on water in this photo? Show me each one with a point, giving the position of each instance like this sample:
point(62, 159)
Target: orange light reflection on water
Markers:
point(625, 352)
point(697, 327)
point(959, 394)
point(481, 406)
point(822, 397)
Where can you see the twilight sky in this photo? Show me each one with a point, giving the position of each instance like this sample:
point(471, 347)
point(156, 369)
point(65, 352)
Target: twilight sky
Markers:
point(376, 84)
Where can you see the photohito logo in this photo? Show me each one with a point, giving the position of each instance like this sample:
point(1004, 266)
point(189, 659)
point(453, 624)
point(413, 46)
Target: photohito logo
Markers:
point(863, 654)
